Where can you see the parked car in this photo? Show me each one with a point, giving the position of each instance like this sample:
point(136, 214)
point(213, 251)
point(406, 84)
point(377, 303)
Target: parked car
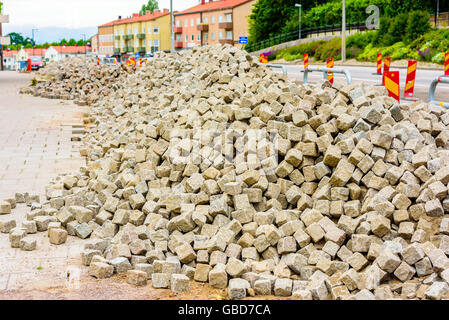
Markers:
point(36, 63)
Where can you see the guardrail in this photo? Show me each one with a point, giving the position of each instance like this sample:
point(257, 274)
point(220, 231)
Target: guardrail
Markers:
point(433, 86)
point(278, 66)
point(325, 72)
point(305, 32)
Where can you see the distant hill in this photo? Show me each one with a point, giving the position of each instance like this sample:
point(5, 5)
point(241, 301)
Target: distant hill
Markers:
point(50, 34)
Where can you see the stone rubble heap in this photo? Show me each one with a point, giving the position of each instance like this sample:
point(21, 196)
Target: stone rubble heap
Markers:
point(79, 80)
point(207, 166)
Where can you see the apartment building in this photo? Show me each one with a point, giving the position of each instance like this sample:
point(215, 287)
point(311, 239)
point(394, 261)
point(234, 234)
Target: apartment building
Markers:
point(106, 39)
point(211, 22)
point(142, 33)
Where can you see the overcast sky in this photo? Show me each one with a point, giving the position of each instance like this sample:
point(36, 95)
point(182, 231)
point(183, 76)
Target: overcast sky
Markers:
point(76, 13)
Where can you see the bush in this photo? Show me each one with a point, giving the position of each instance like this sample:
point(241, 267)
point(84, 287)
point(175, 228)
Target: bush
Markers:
point(418, 24)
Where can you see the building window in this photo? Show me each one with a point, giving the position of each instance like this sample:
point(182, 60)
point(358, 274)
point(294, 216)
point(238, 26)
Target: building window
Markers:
point(178, 23)
point(229, 17)
point(212, 35)
point(186, 23)
point(150, 43)
point(178, 38)
point(187, 38)
point(212, 20)
point(192, 22)
point(198, 37)
point(122, 44)
point(122, 32)
point(149, 30)
point(229, 35)
point(136, 30)
point(220, 19)
point(193, 37)
point(156, 30)
point(220, 35)
point(136, 43)
point(206, 36)
point(206, 20)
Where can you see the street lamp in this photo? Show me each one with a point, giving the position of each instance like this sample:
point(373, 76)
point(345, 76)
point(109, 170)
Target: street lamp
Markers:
point(172, 35)
point(343, 33)
point(34, 42)
point(299, 6)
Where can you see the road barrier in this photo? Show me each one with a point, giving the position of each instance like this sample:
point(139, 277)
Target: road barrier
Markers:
point(278, 66)
point(306, 60)
point(379, 64)
point(392, 84)
point(432, 89)
point(410, 81)
point(263, 58)
point(325, 72)
point(330, 65)
point(446, 64)
point(387, 64)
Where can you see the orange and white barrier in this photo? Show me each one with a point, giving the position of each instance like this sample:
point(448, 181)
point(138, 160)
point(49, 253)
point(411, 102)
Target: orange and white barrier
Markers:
point(410, 81)
point(306, 60)
point(263, 58)
point(330, 65)
point(392, 84)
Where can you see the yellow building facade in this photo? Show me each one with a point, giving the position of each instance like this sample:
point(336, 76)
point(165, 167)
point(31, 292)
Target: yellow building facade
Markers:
point(142, 33)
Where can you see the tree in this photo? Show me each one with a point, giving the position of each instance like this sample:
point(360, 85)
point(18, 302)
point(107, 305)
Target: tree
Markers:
point(150, 6)
point(72, 42)
point(1, 4)
point(418, 24)
point(267, 19)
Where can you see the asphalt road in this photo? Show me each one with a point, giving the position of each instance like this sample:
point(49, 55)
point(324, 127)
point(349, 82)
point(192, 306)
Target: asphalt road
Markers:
point(365, 74)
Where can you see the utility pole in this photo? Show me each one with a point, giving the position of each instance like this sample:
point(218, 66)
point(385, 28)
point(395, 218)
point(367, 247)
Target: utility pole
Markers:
point(299, 6)
point(343, 33)
point(172, 35)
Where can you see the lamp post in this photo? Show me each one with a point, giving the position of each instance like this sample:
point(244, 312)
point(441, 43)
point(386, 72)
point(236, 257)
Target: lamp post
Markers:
point(438, 14)
point(343, 33)
point(299, 6)
point(172, 35)
point(34, 42)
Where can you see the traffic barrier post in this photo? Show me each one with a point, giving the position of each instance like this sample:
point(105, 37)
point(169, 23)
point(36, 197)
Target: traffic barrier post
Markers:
point(446, 64)
point(379, 65)
point(330, 65)
point(325, 72)
point(410, 80)
point(278, 66)
point(306, 60)
point(392, 84)
point(432, 89)
point(29, 65)
point(387, 64)
point(263, 58)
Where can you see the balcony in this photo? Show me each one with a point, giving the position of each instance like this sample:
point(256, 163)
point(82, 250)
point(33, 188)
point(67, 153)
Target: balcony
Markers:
point(141, 49)
point(116, 50)
point(124, 49)
point(226, 25)
point(130, 49)
point(117, 37)
point(141, 36)
point(128, 37)
point(203, 27)
point(177, 29)
point(226, 41)
point(178, 44)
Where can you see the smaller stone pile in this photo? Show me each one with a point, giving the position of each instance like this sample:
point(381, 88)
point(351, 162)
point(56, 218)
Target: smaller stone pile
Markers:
point(78, 79)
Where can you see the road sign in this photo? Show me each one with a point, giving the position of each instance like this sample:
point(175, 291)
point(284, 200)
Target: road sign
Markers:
point(4, 18)
point(137, 54)
point(243, 40)
point(5, 41)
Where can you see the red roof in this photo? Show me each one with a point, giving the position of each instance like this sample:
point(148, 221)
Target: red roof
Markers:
point(10, 54)
point(70, 49)
point(212, 6)
point(138, 18)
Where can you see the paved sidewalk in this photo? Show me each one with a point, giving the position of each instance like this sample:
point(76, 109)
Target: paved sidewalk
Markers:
point(35, 146)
